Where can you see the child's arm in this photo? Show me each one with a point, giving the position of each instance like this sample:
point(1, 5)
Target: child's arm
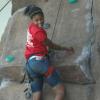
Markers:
point(54, 46)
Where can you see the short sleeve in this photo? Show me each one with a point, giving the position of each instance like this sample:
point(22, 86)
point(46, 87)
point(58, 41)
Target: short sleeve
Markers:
point(41, 36)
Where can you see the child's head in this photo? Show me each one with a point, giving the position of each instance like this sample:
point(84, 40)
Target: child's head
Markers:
point(36, 15)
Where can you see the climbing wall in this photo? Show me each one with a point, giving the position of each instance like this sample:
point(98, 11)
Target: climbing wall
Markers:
point(70, 27)
point(67, 28)
point(16, 32)
point(14, 41)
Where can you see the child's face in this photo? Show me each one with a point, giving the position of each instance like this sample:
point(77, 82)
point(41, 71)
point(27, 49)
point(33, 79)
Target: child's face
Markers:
point(38, 20)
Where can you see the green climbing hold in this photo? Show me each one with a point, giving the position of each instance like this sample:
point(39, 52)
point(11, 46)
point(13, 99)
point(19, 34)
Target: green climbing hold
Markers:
point(46, 26)
point(9, 58)
point(72, 1)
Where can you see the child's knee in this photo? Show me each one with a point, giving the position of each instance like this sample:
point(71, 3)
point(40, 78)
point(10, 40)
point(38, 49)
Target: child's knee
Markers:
point(53, 79)
point(59, 89)
point(36, 86)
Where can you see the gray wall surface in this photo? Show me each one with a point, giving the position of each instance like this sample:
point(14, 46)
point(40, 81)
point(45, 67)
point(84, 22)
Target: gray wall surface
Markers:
point(68, 28)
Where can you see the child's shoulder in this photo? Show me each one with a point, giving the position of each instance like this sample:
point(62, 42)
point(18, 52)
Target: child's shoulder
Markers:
point(35, 28)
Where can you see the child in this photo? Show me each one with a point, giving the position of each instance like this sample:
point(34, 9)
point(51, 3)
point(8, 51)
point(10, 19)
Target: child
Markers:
point(38, 66)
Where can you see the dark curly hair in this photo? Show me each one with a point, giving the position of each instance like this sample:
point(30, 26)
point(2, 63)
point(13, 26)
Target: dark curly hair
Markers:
point(32, 10)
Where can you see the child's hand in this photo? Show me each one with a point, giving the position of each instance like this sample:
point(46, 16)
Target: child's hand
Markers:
point(70, 50)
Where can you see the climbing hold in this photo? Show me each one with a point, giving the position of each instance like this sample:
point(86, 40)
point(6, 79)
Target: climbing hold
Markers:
point(72, 1)
point(46, 26)
point(9, 58)
point(75, 10)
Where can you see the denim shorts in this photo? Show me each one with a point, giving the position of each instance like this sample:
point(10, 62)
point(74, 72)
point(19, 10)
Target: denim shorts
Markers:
point(36, 69)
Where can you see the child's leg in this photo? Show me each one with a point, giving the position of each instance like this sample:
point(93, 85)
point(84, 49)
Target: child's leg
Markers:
point(36, 82)
point(37, 96)
point(36, 86)
point(53, 79)
point(59, 91)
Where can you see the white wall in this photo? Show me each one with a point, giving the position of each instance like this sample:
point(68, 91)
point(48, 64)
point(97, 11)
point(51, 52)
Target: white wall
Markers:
point(5, 14)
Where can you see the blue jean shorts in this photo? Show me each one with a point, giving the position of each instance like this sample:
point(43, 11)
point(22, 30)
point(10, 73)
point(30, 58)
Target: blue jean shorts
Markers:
point(36, 69)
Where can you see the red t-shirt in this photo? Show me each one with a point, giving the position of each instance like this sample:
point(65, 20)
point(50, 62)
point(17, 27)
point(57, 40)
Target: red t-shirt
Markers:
point(35, 41)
